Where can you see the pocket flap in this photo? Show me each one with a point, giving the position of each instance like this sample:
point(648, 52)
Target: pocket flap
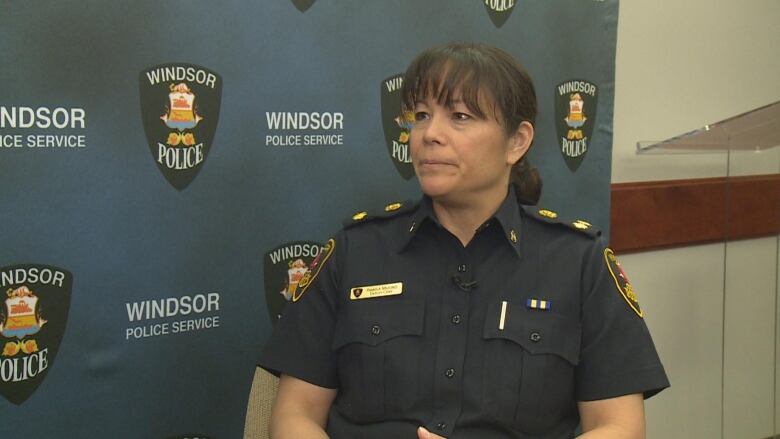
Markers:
point(538, 332)
point(375, 321)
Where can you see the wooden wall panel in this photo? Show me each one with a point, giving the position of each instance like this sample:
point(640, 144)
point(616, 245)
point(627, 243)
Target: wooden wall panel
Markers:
point(663, 214)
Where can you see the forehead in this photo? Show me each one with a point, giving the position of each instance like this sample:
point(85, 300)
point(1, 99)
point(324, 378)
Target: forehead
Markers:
point(455, 100)
point(445, 77)
point(476, 98)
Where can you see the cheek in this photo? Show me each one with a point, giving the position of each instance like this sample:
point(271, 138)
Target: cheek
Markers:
point(415, 144)
point(486, 157)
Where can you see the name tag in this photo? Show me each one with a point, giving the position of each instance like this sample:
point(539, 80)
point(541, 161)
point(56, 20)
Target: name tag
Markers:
point(372, 291)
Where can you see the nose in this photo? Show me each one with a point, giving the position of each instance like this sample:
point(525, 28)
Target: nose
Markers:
point(433, 130)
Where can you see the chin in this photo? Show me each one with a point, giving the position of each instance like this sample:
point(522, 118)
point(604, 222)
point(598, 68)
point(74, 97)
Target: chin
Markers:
point(435, 189)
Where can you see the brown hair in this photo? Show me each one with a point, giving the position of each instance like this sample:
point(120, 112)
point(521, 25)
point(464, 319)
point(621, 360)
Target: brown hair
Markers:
point(469, 69)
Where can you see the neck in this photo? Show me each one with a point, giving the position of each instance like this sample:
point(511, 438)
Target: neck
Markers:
point(463, 217)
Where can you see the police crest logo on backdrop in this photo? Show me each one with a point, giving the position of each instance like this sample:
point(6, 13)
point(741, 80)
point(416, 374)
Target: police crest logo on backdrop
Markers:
point(396, 126)
point(499, 10)
point(36, 300)
point(284, 267)
point(575, 117)
point(180, 109)
point(303, 5)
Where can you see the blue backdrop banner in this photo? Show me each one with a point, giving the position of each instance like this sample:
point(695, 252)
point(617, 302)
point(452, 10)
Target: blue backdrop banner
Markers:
point(170, 169)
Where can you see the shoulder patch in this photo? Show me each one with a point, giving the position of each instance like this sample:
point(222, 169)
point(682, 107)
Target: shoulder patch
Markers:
point(390, 210)
point(621, 281)
point(551, 217)
point(314, 269)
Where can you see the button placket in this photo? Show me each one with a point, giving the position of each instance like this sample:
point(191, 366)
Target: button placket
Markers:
point(453, 335)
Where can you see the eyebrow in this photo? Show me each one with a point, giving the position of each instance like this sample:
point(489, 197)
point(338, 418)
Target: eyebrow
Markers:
point(453, 102)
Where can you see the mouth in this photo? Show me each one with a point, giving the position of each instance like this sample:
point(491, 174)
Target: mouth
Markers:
point(432, 163)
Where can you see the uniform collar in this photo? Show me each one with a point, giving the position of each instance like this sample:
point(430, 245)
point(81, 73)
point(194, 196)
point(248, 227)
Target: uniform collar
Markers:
point(507, 217)
point(423, 213)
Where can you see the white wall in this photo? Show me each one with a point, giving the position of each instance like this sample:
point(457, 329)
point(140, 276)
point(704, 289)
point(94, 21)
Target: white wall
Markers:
point(680, 292)
point(681, 65)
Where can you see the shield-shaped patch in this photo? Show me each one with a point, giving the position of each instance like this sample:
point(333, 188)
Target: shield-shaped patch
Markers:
point(622, 283)
point(180, 109)
point(396, 126)
point(33, 312)
point(575, 116)
point(303, 5)
point(284, 266)
point(499, 10)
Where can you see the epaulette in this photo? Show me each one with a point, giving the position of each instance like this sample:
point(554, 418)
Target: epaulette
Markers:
point(550, 217)
point(391, 210)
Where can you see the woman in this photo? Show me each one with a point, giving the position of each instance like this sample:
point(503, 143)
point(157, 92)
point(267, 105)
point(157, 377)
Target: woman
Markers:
point(467, 314)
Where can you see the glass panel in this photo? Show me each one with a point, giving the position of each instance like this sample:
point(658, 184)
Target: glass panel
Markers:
point(755, 130)
point(748, 301)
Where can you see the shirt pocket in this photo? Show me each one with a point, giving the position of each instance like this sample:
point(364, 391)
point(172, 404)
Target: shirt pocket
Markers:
point(528, 372)
point(378, 344)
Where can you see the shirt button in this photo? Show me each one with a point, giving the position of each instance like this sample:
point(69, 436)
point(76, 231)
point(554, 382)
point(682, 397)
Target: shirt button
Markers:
point(376, 330)
point(441, 426)
point(535, 337)
point(455, 319)
point(462, 268)
point(449, 373)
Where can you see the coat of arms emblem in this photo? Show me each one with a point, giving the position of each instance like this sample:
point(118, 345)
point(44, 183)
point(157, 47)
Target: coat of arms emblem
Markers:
point(575, 116)
point(33, 314)
point(22, 318)
point(284, 268)
point(397, 126)
point(180, 109)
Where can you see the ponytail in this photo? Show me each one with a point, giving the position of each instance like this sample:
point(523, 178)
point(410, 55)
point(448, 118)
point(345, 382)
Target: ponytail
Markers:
point(527, 182)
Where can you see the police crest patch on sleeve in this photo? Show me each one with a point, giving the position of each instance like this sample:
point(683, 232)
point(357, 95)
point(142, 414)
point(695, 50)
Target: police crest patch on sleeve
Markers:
point(314, 269)
point(621, 281)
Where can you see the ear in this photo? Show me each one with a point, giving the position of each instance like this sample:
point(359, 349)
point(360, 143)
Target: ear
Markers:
point(520, 142)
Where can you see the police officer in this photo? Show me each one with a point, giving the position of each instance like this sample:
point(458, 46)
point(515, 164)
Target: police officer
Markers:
point(467, 314)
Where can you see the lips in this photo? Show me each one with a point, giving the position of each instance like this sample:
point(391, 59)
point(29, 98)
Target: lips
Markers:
point(430, 162)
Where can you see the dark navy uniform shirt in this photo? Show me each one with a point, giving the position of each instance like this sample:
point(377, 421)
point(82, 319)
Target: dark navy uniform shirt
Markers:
point(498, 339)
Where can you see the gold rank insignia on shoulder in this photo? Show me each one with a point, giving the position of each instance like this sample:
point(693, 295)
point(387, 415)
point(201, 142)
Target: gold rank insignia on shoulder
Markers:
point(314, 270)
point(582, 225)
point(551, 217)
point(373, 291)
point(621, 281)
point(393, 206)
point(390, 210)
point(359, 216)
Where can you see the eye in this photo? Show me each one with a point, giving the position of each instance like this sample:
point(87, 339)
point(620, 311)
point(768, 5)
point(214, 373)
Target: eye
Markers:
point(460, 116)
point(420, 116)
